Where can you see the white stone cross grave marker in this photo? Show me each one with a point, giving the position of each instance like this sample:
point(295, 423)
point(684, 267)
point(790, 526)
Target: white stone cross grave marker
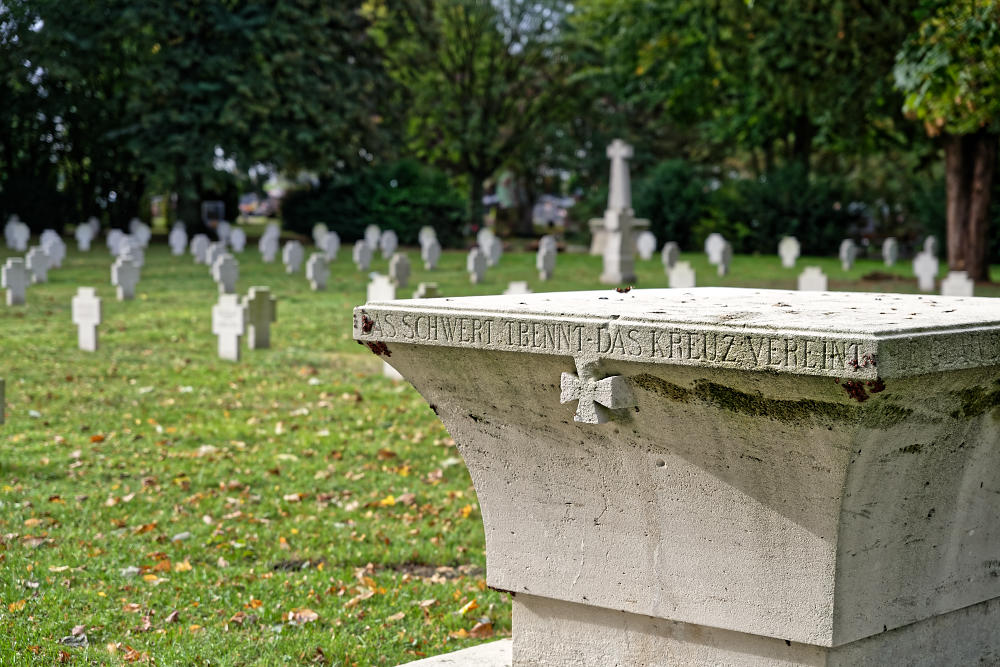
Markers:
point(848, 253)
point(319, 232)
point(262, 310)
point(475, 264)
point(330, 245)
point(125, 276)
point(483, 237)
point(681, 276)
point(8, 230)
point(95, 224)
point(620, 187)
point(669, 255)
point(517, 287)
point(237, 239)
point(372, 236)
point(14, 278)
point(890, 251)
point(131, 247)
point(931, 245)
point(226, 272)
point(614, 234)
point(55, 248)
point(86, 307)
point(381, 288)
point(317, 271)
point(596, 397)
point(492, 250)
point(549, 241)
point(229, 321)
point(223, 230)
point(399, 269)
point(925, 267)
point(114, 240)
point(292, 255)
point(213, 251)
point(362, 255)
point(714, 245)
point(545, 262)
point(178, 240)
point(426, 291)
point(725, 258)
point(84, 235)
point(388, 243)
point(645, 243)
point(268, 246)
point(789, 249)
point(430, 253)
point(812, 279)
point(37, 262)
point(141, 231)
point(199, 248)
point(957, 283)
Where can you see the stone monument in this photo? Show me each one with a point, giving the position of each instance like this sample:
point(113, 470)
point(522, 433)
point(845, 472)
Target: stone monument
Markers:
point(957, 283)
point(925, 268)
point(681, 276)
point(237, 239)
point(229, 322)
point(399, 269)
point(362, 255)
point(86, 307)
point(890, 251)
point(545, 262)
point(812, 279)
point(124, 276)
point(226, 272)
point(789, 249)
point(848, 253)
point(669, 255)
point(37, 262)
point(475, 264)
point(292, 255)
point(430, 253)
point(645, 244)
point(388, 243)
point(723, 476)
point(15, 279)
point(619, 222)
point(262, 310)
point(317, 271)
point(330, 245)
point(178, 240)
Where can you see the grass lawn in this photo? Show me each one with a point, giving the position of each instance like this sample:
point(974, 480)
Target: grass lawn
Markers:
point(293, 508)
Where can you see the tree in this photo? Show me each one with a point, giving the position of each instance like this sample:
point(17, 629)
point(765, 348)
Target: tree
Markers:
point(479, 80)
point(949, 74)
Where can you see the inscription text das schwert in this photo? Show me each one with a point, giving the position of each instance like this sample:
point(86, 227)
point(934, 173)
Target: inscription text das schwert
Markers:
point(618, 340)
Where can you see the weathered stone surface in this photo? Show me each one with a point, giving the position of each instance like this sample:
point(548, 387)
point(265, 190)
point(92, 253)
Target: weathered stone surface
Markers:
point(799, 478)
point(491, 654)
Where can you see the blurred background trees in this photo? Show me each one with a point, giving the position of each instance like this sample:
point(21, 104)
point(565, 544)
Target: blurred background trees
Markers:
point(756, 119)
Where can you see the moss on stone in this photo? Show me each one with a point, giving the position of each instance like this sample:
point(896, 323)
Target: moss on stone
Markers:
point(661, 387)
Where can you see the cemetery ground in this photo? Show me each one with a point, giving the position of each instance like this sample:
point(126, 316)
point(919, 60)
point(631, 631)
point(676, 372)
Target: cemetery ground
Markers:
point(293, 508)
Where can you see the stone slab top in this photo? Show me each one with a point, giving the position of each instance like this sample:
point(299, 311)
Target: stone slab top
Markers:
point(837, 334)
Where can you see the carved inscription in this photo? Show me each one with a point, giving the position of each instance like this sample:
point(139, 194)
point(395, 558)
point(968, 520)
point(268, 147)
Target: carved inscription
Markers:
point(624, 341)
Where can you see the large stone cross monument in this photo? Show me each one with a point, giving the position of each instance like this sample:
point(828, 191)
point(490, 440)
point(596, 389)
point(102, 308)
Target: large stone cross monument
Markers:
point(722, 476)
point(614, 234)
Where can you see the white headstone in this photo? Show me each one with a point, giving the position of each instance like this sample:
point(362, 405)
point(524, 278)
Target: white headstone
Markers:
point(957, 283)
point(426, 291)
point(399, 269)
point(483, 236)
point(124, 276)
point(199, 248)
point(362, 255)
point(725, 258)
point(890, 251)
point(55, 248)
point(292, 255)
point(372, 236)
point(669, 255)
point(21, 235)
point(37, 262)
point(226, 272)
point(86, 306)
point(426, 235)
point(388, 242)
point(848, 253)
point(645, 243)
point(812, 279)
point(131, 247)
point(475, 264)
point(8, 230)
point(789, 249)
point(381, 288)
point(237, 239)
point(681, 275)
point(229, 321)
point(517, 287)
point(620, 187)
point(925, 267)
point(14, 278)
point(95, 224)
point(215, 250)
point(931, 245)
point(268, 246)
point(493, 250)
point(430, 253)
point(141, 231)
point(549, 241)
point(84, 235)
point(319, 232)
point(261, 309)
point(114, 240)
point(545, 262)
point(178, 240)
point(330, 245)
point(317, 271)
point(46, 236)
point(223, 230)
point(714, 245)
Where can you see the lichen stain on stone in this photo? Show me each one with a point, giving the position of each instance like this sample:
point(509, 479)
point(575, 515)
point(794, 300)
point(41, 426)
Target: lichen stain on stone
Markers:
point(378, 347)
point(976, 401)
point(879, 415)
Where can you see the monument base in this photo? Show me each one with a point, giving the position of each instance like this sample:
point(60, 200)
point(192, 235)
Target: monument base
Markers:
point(491, 654)
point(555, 633)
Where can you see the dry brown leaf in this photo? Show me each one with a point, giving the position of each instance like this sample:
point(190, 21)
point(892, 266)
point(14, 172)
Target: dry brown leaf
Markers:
point(482, 630)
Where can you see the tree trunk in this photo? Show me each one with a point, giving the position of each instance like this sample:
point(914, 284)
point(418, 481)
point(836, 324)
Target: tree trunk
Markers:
point(476, 200)
point(805, 132)
point(970, 160)
point(523, 222)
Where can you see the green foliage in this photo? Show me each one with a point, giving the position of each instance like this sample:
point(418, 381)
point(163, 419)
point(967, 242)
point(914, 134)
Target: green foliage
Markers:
point(948, 68)
point(402, 196)
point(674, 197)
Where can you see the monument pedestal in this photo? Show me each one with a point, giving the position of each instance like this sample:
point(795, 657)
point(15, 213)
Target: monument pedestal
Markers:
point(724, 476)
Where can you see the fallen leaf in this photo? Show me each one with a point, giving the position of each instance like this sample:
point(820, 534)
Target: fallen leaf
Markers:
point(97, 438)
point(132, 608)
point(16, 606)
point(75, 640)
point(173, 616)
point(301, 616)
point(482, 630)
point(388, 501)
point(397, 617)
point(183, 566)
point(461, 633)
point(469, 606)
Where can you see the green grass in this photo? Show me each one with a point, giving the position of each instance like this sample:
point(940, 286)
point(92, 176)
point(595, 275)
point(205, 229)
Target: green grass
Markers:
point(289, 473)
